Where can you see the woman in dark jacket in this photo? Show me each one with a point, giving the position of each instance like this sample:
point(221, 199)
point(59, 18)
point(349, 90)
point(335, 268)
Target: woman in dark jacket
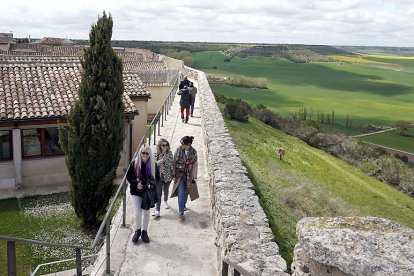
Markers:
point(185, 103)
point(141, 170)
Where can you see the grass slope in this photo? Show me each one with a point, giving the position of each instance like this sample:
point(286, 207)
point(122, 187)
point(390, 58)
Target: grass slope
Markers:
point(309, 182)
point(344, 88)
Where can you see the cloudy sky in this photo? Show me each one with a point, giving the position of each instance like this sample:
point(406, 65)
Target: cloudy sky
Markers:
point(330, 22)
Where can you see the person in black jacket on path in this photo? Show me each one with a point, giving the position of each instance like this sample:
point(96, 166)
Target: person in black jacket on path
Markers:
point(142, 169)
point(184, 82)
point(185, 103)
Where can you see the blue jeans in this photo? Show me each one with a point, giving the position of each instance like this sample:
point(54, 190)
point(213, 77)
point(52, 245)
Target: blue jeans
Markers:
point(182, 194)
point(192, 106)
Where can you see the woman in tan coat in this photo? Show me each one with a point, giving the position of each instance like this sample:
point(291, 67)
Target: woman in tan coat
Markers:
point(185, 167)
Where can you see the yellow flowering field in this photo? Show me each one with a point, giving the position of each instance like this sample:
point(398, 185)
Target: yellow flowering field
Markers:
point(386, 57)
point(358, 59)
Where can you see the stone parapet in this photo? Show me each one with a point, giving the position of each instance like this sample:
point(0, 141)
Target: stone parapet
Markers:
point(243, 233)
point(353, 246)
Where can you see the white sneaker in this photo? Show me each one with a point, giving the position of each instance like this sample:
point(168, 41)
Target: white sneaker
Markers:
point(166, 206)
point(156, 214)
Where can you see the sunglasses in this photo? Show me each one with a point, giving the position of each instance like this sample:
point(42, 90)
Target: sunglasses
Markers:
point(164, 145)
point(145, 153)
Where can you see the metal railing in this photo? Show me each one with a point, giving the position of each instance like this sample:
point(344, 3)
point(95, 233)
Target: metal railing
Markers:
point(158, 120)
point(237, 270)
point(161, 116)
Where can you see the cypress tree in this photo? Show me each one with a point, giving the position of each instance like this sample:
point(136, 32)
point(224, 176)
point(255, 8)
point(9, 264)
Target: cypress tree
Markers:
point(92, 142)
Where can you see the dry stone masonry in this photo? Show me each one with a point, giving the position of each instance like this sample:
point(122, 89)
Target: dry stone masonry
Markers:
point(353, 246)
point(243, 233)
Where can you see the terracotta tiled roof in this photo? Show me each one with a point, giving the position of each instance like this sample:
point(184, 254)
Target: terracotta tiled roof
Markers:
point(48, 40)
point(130, 65)
point(76, 50)
point(133, 65)
point(27, 47)
point(157, 84)
point(68, 51)
point(128, 55)
point(13, 59)
point(134, 87)
point(42, 90)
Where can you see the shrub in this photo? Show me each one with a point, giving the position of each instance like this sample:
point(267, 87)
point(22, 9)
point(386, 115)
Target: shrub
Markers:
point(404, 158)
point(264, 115)
point(313, 123)
point(227, 59)
point(221, 98)
point(391, 170)
point(402, 127)
point(237, 110)
point(188, 61)
point(287, 124)
point(174, 54)
point(248, 82)
point(306, 134)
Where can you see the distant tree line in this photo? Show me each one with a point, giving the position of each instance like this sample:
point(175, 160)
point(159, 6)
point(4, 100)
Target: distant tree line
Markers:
point(291, 52)
point(375, 162)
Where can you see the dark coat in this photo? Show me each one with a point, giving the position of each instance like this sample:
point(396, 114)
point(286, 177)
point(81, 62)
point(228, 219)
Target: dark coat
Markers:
point(184, 82)
point(133, 183)
point(185, 100)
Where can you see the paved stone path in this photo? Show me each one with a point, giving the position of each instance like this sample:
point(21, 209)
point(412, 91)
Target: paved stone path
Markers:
point(176, 248)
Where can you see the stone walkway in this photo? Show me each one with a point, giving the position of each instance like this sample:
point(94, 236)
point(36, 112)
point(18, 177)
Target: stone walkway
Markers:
point(176, 248)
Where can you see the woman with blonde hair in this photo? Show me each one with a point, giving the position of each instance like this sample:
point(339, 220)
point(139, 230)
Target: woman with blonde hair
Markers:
point(163, 173)
point(140, 173)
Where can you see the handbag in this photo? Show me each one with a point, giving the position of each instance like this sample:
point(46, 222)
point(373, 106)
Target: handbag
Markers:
point(150, 195)
point(193, 191)
point(180, 165)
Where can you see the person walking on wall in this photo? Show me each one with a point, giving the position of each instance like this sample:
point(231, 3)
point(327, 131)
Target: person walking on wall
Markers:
point(140, 172)
point(193, 92)
point(185, 167)
point(184, 82)
point(163, 173)
point(185, 103)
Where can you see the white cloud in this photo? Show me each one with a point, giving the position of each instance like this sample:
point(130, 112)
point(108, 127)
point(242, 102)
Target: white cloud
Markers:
point(350, 22)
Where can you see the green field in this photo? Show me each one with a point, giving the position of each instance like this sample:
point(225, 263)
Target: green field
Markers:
point(310, 182)
point(393, 140)
point(370, 95)
point(408, 64)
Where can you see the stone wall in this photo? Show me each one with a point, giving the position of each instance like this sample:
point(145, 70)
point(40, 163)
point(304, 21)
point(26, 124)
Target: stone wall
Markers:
point(158, 76)
point(353, 246)
point(243, 233)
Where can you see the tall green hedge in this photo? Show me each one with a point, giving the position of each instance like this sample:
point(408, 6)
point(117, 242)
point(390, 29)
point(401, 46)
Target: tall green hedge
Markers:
point(93, 140)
